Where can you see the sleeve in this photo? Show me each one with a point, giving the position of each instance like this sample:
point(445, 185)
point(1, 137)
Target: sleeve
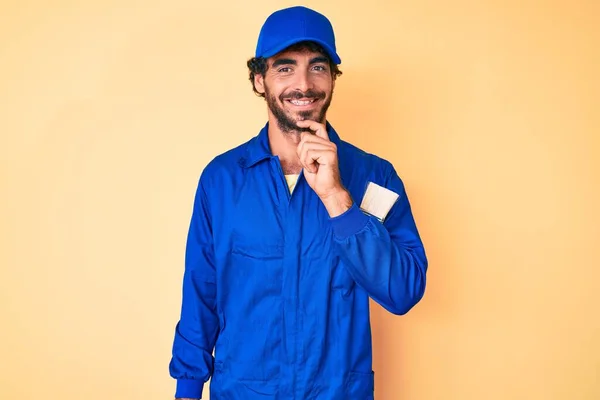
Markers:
point(197, 329)
point(386, 259)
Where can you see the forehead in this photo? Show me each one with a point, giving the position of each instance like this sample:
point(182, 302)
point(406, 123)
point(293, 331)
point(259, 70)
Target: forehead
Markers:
point(298, 55)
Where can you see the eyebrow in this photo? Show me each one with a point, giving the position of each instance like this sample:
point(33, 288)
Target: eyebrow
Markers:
point(289, 61)
point(284, 61)
point(319, 59)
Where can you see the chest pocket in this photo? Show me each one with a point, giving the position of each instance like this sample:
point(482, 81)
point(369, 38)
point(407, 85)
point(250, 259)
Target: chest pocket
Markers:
point(256, 246)
point(258, 264)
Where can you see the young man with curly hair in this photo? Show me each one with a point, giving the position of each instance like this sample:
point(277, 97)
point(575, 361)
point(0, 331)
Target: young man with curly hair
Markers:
point(291, 234)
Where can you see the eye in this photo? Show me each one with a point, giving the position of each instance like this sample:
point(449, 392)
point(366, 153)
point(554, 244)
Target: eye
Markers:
point(284, 69)
point(320, 68)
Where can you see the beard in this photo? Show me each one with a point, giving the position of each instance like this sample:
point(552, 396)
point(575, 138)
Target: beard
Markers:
point(286, 120)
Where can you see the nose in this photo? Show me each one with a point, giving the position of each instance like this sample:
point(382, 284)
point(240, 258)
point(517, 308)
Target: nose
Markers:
point(303, 81)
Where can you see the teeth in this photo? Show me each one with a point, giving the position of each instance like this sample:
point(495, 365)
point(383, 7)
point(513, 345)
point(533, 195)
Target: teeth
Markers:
point(301, 103)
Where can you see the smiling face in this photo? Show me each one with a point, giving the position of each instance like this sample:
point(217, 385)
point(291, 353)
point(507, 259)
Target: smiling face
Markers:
point(298, 85)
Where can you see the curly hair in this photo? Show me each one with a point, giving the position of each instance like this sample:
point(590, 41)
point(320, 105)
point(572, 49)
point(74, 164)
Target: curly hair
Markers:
point(259, 66)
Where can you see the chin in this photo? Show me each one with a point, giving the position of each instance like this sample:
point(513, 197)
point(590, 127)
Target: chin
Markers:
point(313, 116)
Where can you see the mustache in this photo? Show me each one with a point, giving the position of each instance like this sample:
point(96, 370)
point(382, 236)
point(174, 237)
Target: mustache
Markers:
point(296, 95)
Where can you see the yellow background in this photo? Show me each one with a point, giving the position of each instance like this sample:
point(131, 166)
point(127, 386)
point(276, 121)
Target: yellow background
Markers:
point(110, 109)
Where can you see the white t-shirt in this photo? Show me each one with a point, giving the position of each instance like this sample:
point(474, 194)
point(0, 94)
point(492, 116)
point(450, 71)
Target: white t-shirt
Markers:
point(291, 181)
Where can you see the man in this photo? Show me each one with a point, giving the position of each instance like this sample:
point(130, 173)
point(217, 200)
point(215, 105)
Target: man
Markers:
point(290, 235)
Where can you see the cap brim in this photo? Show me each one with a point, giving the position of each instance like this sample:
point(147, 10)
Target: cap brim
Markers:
point(284, 45)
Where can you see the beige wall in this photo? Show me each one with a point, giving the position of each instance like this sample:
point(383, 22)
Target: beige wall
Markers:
point(109, 110)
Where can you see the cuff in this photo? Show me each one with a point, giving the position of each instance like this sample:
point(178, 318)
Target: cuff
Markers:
point(189, 388)
point(350, 222)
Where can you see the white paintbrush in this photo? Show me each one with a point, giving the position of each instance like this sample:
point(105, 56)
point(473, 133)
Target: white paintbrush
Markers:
point(378, 201)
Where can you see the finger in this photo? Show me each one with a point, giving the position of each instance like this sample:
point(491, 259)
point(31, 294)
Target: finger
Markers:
point(308, 145)
point(319, 129)
point(305, 159)
point(309, 159)
point(303, 152)
point(313, 158)
point(307, 163)
point(309, 137)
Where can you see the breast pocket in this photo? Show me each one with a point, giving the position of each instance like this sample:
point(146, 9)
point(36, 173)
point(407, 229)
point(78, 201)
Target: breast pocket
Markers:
point(257, 266)
point(256, 246)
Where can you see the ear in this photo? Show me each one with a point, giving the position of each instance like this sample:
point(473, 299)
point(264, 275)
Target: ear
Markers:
point(259, 83)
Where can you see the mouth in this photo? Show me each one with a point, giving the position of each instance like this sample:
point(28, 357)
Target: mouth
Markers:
point(304, 103)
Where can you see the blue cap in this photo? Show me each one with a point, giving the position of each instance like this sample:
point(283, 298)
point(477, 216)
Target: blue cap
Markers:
point(291, 25)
